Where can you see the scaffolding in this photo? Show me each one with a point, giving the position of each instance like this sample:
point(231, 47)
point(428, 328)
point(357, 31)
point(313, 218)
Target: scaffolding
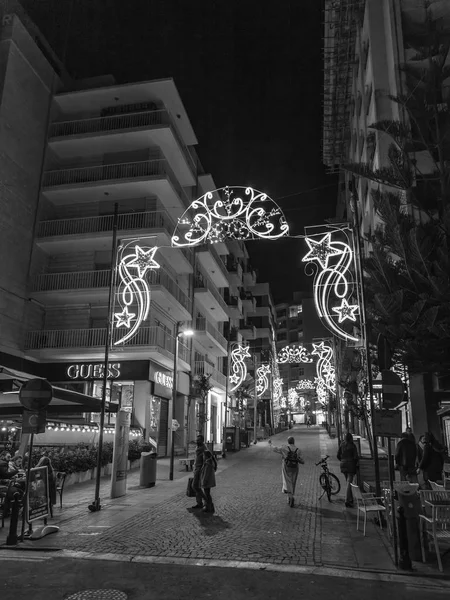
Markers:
point(341, 22)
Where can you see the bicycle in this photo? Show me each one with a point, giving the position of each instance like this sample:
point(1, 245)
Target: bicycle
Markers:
point(328, 481)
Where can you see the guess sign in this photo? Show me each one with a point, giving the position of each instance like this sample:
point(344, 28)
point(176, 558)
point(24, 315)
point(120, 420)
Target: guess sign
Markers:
point(93, 371)
point(163, 379)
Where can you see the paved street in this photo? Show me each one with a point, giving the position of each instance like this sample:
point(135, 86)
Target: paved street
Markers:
point(41, 578)
point(252, 523)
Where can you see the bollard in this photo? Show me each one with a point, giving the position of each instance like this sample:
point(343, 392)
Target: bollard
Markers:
point(12, 539)
point(404, 559)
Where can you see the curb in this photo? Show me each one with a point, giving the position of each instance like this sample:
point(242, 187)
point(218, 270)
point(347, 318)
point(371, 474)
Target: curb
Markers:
point(424, 581)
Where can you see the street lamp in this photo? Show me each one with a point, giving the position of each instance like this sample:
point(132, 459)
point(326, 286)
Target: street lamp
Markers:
point(178, 332)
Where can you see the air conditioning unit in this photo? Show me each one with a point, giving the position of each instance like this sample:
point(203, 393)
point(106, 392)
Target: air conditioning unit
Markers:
point(7, 20)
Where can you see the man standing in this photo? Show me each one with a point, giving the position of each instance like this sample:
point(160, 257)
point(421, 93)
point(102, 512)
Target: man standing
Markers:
point(406, 457)
point(199, 459)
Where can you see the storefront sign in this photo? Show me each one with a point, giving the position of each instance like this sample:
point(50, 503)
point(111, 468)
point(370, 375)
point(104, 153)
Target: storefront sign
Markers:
point(92, 371)
point(163, 379)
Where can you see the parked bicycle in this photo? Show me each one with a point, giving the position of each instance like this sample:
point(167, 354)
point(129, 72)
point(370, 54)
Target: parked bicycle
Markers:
point(328, 481)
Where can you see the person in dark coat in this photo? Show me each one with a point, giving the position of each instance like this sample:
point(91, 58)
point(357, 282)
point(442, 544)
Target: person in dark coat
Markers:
point(348, 455)
point(406, 458)
point(432, 461)
point(208, 480)
point(198, 465)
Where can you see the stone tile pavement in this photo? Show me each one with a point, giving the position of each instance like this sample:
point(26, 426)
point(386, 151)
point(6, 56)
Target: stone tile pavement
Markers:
point(252, 521)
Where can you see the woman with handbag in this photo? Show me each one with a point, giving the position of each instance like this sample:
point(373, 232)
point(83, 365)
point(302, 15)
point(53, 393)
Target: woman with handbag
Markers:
point(348, 455)
point(208, 480)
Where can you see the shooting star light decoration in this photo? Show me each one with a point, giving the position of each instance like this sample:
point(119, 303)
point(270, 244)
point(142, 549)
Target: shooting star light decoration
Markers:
point(262, 380)
point(236, 213)
point(134, 262)
point(333, 286)
point(238, 366)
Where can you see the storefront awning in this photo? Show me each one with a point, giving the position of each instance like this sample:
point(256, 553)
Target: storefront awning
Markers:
point(64, 402)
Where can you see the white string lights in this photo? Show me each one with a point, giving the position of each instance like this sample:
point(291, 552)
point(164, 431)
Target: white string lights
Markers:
point(238, 367)
point(133, 288)
point(293, 354)
point(333, 285)
point(326, 374)
point(262, 380)
point(238, 213)
point(305, 384)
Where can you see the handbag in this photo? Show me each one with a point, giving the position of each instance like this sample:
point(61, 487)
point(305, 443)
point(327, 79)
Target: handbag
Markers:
point(190, 492)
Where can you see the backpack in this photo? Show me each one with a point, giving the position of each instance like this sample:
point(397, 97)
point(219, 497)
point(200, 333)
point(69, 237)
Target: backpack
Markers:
point(291, 461)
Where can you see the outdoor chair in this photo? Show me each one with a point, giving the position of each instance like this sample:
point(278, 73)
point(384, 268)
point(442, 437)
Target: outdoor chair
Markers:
point(366, 503)
point(60, 479)
point(436, 487)
point(435, 525)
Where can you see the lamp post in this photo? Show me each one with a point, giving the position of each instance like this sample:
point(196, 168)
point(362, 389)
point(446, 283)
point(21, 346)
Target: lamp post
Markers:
point(178, 332)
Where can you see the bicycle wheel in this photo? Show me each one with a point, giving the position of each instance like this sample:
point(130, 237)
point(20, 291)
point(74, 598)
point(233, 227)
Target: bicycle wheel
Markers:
point(323, 480)
point(335, 484)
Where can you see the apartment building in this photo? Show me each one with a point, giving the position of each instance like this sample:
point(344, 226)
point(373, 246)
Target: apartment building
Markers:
point(366, 44)
point(71, 152)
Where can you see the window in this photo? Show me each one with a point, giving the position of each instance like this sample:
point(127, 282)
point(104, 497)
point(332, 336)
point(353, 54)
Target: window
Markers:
point(163, 327)
point(294, 311)
point(282, 336)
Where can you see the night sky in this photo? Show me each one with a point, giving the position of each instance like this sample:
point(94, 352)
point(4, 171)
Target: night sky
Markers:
point(250, 76)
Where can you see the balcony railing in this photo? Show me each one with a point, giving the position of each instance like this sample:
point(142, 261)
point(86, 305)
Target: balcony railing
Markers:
point(137, 120)
point(83, 225)
point(76, 280)
point(93, 338)
point(201, 324)
point(113, 172)
point(204, 368)
point(202, 282)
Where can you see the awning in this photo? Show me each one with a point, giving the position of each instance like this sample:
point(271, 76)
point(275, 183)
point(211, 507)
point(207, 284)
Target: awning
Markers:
point(64, 402)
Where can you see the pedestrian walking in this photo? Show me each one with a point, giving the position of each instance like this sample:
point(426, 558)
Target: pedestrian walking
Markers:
point(198, 465)
point(308, 422)
point(432, 461)
point(348, 456)
point(406, 458)
point(291, 459)
point(208, 480)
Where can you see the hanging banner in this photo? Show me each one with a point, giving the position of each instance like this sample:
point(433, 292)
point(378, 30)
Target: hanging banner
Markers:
point(120, 454)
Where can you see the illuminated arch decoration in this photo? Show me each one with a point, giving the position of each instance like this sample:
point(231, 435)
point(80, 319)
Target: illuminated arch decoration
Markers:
point(334, 287)
point(262, 380)
point(326, 374)
point(304, 384)
point(293, 354)
point(238, 366)
point(133, 264)
point(230, 213)
point(292, 398)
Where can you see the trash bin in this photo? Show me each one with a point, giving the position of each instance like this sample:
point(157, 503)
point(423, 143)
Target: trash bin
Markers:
point(147, 474)
point(408, 520)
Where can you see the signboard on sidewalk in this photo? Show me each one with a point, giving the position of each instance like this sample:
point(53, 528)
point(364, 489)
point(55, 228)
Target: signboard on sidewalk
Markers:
point(388, 423)
point(120, 454)
point(38, 494)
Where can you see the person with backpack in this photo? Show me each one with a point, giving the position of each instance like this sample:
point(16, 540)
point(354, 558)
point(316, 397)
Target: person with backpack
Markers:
point(208, 480)
point(291, 459)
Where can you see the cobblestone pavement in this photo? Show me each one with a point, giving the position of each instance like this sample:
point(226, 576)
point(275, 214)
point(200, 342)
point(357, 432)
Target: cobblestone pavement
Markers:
point(252, 522)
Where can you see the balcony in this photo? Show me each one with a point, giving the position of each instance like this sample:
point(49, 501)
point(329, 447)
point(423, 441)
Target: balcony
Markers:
point(210, 337)
point(94, 233)
point(82, 287)
point(234, 307)
point(217, 378)
point(247, 330)
point(132, 131)
point(213, 265)
point(89, 344)
point(126, 180)
point(234, 272)
point(209, 298)
point(249, 278)
point(248, 302)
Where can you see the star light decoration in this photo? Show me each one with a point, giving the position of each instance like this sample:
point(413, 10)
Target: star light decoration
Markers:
point(326, 374)
point(292, 354)
point(236, 213)
point(133, 288)
point(262, 380)
point(332, 282)
point(238, 367)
